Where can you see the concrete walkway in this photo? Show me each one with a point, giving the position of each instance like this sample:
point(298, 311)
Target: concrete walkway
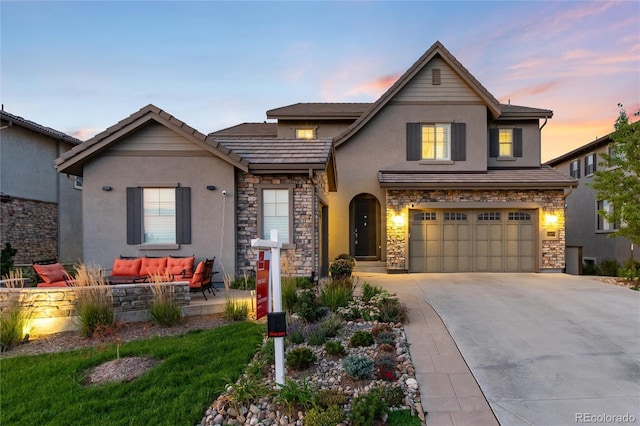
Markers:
point(545, 349)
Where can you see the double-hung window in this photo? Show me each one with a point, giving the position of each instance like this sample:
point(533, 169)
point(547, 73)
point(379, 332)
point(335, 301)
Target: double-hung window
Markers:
point(159, 215)
point(574, 169)
point(603, 224)
point(590, 164)
point(276, 206)
point(436, 141)
point(505, 142)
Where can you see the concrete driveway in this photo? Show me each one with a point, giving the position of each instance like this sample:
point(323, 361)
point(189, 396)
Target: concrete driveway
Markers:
point(546, 349)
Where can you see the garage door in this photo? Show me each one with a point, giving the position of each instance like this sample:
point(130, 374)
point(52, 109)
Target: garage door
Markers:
point(472, 241)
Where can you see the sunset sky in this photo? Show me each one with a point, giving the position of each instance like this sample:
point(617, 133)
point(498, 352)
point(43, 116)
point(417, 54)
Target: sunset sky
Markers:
point(80, 67)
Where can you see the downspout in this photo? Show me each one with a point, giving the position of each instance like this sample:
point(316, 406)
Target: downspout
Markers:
point(543, 124)
point(316, 238)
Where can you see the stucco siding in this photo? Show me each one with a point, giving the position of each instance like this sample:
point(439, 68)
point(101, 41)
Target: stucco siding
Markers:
point(27, 165)
point(452, 88)
point(212, 214)
point(324, 128)
point(530, 145)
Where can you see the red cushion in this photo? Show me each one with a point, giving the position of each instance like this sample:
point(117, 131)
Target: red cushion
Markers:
point(153, 266)
point(196, 281)
point(53, 284)
point(126, 267)
point(175, 265)
point(51, 273)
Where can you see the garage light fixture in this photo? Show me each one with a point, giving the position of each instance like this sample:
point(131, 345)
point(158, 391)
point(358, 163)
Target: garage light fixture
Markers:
point(398, 220)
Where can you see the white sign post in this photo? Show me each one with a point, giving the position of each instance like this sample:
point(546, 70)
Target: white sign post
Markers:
point(276, 291)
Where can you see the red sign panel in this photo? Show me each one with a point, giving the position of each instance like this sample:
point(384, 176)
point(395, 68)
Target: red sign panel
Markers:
point(262, 286)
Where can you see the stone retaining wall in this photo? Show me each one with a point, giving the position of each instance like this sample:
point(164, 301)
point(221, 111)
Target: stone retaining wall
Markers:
point(53, 309)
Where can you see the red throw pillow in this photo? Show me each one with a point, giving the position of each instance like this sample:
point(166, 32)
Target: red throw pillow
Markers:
point(126, 267)
point(51, 273)
point(196, 281)
point(175, 265)
point(153, 266)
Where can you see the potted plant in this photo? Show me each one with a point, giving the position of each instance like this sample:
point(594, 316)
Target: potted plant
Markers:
point(342, 267)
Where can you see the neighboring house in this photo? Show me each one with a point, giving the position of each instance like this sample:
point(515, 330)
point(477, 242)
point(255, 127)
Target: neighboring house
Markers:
point(41, 209)
point(435, 176)
point(155, 186)
point(587, 232)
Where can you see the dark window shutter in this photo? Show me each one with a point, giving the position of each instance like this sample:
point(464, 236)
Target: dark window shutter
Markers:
point(183, 215)
point(134, 215)
point(595, 162)
point(459, 141)
point(586, 165)
point(414, 141)
point(493, 143)
point(517, 142)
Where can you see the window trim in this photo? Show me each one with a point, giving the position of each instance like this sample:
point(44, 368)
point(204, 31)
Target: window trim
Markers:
point(602, 224)
point(574, 173)
point(260, 225)
point(446, 143)
point(589, 171)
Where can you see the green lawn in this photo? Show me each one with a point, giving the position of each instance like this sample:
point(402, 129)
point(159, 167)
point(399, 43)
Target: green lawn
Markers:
point(48, 389)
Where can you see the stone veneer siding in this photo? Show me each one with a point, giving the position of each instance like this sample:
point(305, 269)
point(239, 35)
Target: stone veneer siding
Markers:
point(31, 227)
point(302, 257)
point(552, 201)
point(59, 303)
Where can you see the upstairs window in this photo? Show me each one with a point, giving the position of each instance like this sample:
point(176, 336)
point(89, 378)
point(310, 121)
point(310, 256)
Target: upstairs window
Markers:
point(603, 224)
point(615, 157)
point(574, 169)
point(590, 164)
point(436, 141)
point(305, 133)
point(505, 143)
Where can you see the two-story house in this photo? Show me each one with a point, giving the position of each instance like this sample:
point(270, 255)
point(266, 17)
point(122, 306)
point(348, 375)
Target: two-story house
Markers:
point(435, 176)
point(41, 209)
point(587, 232)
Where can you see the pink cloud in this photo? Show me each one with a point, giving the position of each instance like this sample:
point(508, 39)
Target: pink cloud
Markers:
point(530, 91)
point(375, 87)
point(84, 133)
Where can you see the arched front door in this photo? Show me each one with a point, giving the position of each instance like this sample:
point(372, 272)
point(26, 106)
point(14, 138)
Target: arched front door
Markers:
point(364, 220)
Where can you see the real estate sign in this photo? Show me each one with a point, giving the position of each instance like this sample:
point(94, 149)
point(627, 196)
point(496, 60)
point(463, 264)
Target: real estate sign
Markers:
point(262, 284)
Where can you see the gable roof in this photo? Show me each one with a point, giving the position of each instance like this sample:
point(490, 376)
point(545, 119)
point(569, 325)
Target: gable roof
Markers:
point(271, 155)
point(249, 130)
point(584, 149)
point(319, 111)
point(73, 160)
point(38, 128)
point(436, 49)
point(517, 112)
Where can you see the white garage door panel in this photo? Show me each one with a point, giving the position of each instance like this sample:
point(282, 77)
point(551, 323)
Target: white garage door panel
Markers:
point(473, 240)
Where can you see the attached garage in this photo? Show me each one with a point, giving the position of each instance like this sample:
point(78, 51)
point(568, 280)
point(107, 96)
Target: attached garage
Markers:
point(449, 240)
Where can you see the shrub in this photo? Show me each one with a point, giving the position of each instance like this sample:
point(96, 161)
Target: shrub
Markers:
point(333, 347)
point(235, 310)
point(246, 390)
point(380, 328)
point(357, 367)
point(324, 417)
point(247, 282)
point(366, 408)
point(341, 269)
point(14, 320)
point(337, 294)
point(386, 363)
point(361, 338)
point(164, 310)
point(289, 294)
point(348, 257)
point(325, 398)
point(308, 307)
point(332, 324)
point(315, 334)
point(94, 305)
point(295, 332)
point(6, 258)
point(608, 267)
point(387, 337)
point(392, 395)
point(300, 358)
point(392, 310)
point(368, 291)
point(293, 395)
point(385, 347)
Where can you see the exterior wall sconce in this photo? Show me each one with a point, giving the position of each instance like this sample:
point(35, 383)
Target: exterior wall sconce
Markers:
point(107, 188)
point(211, 187)
point(398, 220)
point(550, 220)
